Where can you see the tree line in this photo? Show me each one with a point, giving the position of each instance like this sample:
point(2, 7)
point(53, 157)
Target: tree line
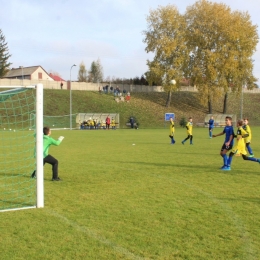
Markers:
point(210, 45)
point(95, 74)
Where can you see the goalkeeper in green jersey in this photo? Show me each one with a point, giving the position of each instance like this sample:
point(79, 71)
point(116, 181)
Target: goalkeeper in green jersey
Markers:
point(47, 158)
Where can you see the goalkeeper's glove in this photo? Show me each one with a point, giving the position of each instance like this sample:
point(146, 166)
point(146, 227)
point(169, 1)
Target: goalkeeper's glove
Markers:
point(61, 138)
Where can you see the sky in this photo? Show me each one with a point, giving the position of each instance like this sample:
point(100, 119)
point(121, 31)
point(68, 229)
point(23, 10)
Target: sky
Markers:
point(60, 33)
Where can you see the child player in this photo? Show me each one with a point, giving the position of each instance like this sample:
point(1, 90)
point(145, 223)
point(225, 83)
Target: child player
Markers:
point(172, 131)
point(240, 146)
point(47, 158)
point(248, 139)
point(228, 143)
point(211, 126)
point(189, 131)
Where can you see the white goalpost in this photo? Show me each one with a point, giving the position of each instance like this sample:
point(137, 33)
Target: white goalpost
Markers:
point(39, 146)
point(21, 150)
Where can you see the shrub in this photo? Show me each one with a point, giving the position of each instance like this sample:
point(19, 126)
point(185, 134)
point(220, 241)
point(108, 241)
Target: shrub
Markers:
point(183, 122)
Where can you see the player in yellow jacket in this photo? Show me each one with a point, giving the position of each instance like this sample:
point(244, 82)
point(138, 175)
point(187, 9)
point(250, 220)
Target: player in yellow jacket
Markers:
point(189, 131)
point(113, 123)
point(172, 130)
point(248, 139)
point(240, 146)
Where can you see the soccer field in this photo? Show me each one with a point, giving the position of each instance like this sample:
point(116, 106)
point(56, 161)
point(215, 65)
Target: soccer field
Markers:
point(151, 200)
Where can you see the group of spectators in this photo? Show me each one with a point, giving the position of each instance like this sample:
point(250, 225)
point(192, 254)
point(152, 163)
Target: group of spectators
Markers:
point(116, 91)
point(94, 123)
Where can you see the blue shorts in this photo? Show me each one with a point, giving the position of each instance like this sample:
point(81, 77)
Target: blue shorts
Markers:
point(224, 147)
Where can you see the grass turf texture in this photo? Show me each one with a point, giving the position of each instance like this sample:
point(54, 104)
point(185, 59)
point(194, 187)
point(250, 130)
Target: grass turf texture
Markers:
point(151, 200)
point(148, 108)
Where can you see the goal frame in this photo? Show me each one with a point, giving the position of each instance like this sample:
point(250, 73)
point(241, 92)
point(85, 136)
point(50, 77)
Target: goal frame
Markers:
point(39, 145)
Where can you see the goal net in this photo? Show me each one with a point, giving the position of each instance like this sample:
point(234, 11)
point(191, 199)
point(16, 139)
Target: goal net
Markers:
point(55, 122)
point(19, 155)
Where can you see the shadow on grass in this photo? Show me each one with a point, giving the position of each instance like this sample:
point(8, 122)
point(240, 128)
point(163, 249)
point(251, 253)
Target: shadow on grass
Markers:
point(168, 165)
point(243, 199)
point(240, 171)
point(27, 176)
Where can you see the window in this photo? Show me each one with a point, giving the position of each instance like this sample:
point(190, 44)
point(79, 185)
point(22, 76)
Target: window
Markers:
point(39, 75)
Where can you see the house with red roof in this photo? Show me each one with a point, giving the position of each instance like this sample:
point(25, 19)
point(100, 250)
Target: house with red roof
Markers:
point(56, 77)
point(31, 73)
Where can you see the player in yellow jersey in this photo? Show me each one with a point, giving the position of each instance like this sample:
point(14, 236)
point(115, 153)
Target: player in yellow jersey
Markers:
point(189, 131)
point(172, 131)
point(248, 139)
point(240, 147)
point(113, 123)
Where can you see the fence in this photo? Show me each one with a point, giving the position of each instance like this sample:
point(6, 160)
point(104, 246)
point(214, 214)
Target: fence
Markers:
point(87, 86)
point(84, 86)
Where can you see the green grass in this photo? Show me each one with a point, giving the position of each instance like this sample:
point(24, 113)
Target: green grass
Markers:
point(151, 200)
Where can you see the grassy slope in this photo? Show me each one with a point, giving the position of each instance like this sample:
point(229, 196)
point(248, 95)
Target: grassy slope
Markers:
point(148, 108)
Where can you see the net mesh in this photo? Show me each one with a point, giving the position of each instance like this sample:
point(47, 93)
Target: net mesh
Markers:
point(17, 150)
point(55, 122)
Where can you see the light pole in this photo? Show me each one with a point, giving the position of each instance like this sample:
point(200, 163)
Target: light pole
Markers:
point(71, 99)
point(242, 101)
point(21, 67)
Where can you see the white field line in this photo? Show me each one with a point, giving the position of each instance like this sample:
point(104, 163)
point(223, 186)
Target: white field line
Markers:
point(92, 234)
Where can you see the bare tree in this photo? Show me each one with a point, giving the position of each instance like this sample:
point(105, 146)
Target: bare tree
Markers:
point(82, 75)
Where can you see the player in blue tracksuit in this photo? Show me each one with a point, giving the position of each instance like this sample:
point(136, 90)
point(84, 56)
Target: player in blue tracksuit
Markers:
point(211, 126)
point(228, 143)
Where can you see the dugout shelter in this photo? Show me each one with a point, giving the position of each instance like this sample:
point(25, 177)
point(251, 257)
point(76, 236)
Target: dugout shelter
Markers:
point(99, 117)
point(219, 119)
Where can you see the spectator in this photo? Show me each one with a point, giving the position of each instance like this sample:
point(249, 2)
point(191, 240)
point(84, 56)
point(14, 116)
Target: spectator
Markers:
point(132, 122)
point(127, 98)
point(117, 90)
point(107, 122)
point(61, 85)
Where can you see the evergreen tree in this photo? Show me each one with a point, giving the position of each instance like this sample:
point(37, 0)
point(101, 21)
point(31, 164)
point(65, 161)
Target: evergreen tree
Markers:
point(96, 72)
point(4, 56)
